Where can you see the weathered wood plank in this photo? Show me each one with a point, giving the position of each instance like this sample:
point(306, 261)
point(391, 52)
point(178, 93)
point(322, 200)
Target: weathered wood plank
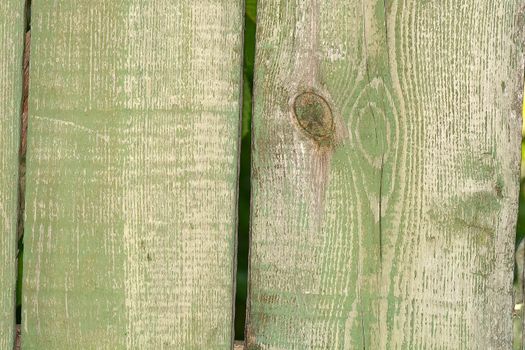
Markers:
point(384, 200)
point(11, 51)
point(132, 174)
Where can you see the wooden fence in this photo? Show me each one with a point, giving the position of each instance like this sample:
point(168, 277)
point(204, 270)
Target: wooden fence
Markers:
point(385, 173)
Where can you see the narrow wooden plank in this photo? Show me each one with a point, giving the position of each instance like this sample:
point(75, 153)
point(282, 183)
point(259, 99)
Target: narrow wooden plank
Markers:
point(132, 174)
point(385, 174)
point(11, 51)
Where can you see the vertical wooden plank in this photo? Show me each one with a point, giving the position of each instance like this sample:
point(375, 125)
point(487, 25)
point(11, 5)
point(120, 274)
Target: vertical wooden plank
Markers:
point(132, 174)
point(385, 174)
point(11, 51)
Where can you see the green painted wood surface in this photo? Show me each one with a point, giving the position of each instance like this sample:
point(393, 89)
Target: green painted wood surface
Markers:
point(132, 174)
point(384, 202)
point(11, 51)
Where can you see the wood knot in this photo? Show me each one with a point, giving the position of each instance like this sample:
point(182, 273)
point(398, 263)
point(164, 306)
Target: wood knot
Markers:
point(314, 115)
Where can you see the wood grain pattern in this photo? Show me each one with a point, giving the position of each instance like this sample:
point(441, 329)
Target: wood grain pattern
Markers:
point(11, 52)
point(132, 174)
point(395, 230)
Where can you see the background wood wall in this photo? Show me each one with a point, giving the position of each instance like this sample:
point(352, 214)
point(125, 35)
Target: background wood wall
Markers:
point(385, 173)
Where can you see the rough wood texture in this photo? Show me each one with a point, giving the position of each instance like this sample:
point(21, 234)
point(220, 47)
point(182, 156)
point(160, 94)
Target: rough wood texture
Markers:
point(11, 51)
point(385, 220)
point(132, 174)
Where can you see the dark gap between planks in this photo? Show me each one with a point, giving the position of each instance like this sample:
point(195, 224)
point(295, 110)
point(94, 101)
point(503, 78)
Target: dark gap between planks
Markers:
point(243, 209)
point(22, 169)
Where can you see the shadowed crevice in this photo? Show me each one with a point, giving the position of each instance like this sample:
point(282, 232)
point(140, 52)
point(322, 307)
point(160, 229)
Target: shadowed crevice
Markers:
point(244, 183)
point(22, 168)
